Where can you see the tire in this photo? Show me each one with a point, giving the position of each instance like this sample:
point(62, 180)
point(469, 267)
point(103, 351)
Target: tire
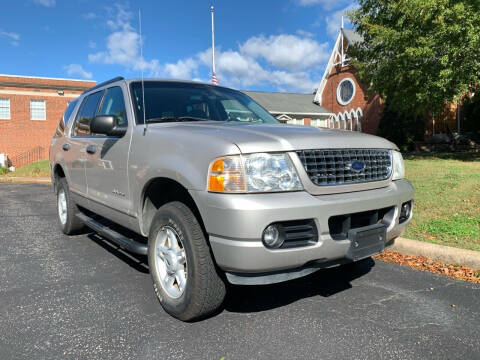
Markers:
point(197, 290)
point(66, 209)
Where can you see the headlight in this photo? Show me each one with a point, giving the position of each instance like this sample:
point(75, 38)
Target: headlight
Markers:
point(398, 166)
point(253, 173)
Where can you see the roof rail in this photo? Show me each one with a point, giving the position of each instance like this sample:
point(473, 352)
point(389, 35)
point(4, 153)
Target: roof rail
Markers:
point(118, 78)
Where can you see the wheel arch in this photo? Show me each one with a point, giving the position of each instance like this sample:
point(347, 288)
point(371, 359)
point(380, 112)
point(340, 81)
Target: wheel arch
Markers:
point(57, 173)
point(159, 191)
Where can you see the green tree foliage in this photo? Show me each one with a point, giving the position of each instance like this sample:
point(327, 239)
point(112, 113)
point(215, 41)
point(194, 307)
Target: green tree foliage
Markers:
point(418, 54)
point(401, 128)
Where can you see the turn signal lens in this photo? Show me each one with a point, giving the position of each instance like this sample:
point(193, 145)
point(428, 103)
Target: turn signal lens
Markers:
point(226, 175)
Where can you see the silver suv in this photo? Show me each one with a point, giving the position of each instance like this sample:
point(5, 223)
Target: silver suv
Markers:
point(212, 189)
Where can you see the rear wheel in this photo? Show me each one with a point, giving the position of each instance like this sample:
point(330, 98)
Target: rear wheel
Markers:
point(184, 276)
point(66, 209)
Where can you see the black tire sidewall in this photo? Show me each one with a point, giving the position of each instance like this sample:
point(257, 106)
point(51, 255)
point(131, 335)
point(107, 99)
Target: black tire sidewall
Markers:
point(72, 224)
point(170, 216)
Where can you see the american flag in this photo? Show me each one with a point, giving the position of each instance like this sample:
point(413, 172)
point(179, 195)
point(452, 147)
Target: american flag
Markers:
point(214, 79)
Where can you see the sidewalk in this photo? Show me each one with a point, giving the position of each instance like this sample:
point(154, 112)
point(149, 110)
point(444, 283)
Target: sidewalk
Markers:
point(26, 180)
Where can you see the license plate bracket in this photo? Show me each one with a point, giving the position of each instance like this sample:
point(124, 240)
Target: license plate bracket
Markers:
point(366, 241)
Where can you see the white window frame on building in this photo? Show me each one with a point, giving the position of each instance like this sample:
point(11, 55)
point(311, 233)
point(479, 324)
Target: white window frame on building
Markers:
point(5, 109)
point(339, 91)
point(38, 109)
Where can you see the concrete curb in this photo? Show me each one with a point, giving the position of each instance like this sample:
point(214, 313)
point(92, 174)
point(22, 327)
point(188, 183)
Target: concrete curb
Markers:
point(25, 180)
point(446, 254)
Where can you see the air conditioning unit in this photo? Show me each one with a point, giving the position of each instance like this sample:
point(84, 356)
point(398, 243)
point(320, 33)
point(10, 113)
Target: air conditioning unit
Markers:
point(3, 160)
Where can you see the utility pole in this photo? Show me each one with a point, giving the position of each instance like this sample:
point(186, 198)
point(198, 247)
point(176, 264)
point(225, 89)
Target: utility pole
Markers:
point(214, 77)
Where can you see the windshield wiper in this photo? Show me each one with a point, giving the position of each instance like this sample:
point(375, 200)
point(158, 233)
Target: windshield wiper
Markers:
point(174, 119)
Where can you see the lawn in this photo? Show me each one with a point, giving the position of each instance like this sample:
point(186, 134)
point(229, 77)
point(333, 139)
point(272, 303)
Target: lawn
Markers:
point(36, 169)
point(447, 198)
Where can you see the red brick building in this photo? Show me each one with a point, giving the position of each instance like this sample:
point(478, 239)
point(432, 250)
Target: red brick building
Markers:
point(30, 109)
point(343, 94)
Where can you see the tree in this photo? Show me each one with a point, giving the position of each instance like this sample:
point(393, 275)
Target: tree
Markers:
point(418, 54)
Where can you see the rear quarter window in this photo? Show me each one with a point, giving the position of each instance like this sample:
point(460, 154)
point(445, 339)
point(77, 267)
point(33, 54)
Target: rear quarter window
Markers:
point(66, 118)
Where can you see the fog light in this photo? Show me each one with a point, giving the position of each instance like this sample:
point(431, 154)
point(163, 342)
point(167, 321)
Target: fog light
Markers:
point(405, 211)
point(272, 237)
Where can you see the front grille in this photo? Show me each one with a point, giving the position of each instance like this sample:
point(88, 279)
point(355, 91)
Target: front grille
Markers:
point(334, 167)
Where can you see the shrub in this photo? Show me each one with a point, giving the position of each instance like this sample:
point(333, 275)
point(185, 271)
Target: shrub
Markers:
point(401, 129)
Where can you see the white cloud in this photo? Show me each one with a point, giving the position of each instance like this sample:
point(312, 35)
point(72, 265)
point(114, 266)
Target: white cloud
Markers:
point(10, 35)
point(286, 51)
point(123, 45)
point(47, 3)
point(92, 44)
point(243, 71)
point(77, 70)
point(13, 37)
point(182, 69)
point(334, 20)
point(304, 33)
point(325, 4)
point(280, 61)
point(90, 16)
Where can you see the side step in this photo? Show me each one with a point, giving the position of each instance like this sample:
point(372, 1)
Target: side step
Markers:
point(125, 243)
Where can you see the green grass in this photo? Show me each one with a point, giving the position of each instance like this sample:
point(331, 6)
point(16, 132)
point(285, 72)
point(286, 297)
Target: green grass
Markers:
point(447, 198)
point(36, 169)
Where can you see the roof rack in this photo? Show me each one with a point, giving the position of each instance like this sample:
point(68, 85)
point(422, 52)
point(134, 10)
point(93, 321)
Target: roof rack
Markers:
point(118, 78)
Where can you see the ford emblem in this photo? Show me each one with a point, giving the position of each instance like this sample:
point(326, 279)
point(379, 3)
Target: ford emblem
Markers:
point(357, 166)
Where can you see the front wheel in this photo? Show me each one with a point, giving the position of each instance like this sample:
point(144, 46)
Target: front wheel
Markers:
point(184, 276)
point(66, 209)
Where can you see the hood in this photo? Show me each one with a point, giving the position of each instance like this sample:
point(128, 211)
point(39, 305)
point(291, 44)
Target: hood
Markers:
point(252, 138)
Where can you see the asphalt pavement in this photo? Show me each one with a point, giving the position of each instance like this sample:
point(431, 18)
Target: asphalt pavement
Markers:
point(80, 297)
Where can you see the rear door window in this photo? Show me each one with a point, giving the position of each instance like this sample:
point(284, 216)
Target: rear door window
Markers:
point(87, 111)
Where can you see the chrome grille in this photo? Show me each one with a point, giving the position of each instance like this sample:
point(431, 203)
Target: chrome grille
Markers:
point(333, 167)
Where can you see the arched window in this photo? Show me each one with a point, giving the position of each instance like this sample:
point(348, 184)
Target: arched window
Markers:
point(339, 122)
point(359, 119)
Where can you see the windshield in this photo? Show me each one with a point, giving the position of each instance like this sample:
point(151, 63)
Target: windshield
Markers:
point(171, 101)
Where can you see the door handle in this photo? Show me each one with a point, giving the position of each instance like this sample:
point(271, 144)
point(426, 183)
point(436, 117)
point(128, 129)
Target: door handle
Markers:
point(91, 149)
point(66, 147)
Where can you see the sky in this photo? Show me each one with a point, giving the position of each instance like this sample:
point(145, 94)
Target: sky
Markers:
point(270, 45)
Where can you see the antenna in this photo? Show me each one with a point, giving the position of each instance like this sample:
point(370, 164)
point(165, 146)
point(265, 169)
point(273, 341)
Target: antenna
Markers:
point(141, 67)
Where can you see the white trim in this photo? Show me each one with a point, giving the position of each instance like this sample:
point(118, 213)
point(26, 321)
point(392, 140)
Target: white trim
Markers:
point(44, 117)
point(328, 69)
point(339, 97)
point(9, 110)
point(47, 78)
point(297, 113)
point(39, 93)
point(283, 117)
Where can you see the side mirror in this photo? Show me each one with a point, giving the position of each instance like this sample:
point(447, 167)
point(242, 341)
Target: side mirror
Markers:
point(107, 125)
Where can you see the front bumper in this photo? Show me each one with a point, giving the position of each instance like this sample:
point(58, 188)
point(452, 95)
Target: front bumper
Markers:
point(235, 223)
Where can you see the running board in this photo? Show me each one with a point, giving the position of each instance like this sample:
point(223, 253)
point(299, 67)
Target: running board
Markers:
point(125, 243)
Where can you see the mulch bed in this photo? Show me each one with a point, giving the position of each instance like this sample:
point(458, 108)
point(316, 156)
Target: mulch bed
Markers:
point(423, 263)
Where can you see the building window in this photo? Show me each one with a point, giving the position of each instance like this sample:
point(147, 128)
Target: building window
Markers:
point(38, 110)
point(345, 91)
point(4, 109)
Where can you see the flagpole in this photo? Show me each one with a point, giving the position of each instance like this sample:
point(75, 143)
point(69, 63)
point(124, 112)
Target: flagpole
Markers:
point(214, 77)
